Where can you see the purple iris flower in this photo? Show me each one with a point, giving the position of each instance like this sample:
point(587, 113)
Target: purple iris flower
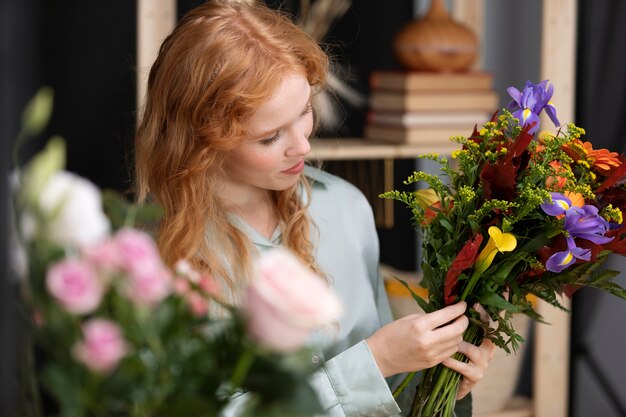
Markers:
point(580, 222)
point(528, 103)
point(584, 222)
point(561, 260)
point(559, 206)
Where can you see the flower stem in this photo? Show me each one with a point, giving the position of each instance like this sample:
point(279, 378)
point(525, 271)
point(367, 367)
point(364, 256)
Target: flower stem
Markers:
point(436, 394)
point(241, 368)
point(470, 286)
point(406, 381)
point(32, 378)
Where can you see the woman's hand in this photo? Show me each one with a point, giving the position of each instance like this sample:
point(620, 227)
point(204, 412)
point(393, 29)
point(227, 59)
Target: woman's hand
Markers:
point(420, 341)
point(479, 357)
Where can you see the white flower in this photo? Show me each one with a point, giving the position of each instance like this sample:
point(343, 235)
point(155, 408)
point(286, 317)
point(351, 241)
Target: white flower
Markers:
point(74, 208)
point(19, 260)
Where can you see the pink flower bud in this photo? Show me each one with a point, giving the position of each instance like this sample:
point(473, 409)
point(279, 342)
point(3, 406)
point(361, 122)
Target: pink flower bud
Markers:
point(102, 347)
point(104, 255)
point(209, 286)
point(287, 301)
point(148, 286)
point(75, 284)
point(198, 304)
point(181, 286)
point(137, 250)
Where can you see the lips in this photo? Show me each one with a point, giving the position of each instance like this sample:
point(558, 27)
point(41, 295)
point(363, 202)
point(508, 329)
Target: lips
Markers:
point(296, 169)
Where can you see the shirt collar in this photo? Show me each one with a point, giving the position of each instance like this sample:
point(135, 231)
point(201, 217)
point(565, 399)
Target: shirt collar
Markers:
point(256, 237)
point(317, 176)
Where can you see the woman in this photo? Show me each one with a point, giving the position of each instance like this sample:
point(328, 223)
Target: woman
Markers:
point(221, 147)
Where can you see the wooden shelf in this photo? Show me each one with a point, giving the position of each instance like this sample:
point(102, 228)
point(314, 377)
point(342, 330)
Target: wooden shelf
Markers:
point(336, 149)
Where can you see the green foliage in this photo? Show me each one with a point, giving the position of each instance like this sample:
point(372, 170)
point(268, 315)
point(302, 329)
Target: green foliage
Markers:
point(465, 211)
point(176, 361)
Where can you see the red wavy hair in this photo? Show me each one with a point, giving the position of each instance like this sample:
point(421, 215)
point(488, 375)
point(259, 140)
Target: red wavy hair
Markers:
point(221, 62)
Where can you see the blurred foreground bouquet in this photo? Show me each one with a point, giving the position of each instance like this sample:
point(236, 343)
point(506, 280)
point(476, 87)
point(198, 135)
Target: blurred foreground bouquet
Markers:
point(114, 332)
point(518, 215)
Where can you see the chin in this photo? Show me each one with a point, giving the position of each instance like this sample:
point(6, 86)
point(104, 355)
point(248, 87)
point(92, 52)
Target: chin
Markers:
point(285, 185)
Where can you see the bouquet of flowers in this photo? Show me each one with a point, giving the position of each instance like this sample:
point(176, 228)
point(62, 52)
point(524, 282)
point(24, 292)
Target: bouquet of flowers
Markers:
point(518, 214)
point(114, 332)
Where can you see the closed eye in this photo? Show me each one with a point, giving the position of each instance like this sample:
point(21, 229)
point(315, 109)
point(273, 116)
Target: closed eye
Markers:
point(267, 142)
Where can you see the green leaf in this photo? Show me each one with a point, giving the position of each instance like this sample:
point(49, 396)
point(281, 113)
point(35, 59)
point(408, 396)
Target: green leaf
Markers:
point(487, 297)
point(500, 275)
point(446, 224)
point(187, 405)
point(65, 389)
point(535, 243)
point(37, 113)
point(419, 300)
point(122, 213)
point(39, 170)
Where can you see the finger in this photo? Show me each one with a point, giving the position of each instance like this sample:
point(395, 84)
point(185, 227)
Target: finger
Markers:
point(452, 330)
point(444, 355)
point(484, 316)
point(445, 315)
point(469, 372)
point(474, 354)
point(489, 348)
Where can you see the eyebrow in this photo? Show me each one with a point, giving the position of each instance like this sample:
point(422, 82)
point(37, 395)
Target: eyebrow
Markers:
point(270, 131)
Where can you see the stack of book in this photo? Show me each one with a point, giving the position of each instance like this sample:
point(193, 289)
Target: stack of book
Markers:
point(426, 107)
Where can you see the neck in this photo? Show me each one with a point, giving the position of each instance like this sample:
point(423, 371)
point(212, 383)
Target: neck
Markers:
point(256, 208)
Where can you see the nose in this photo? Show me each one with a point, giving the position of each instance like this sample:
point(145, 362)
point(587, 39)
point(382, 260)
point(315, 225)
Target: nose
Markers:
point(299, 142)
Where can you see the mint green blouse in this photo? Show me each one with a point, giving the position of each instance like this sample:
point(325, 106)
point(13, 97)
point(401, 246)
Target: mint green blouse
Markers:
point(349, 382)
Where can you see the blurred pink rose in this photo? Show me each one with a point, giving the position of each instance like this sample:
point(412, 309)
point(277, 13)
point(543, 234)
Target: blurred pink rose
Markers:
point(137, 250)
point(181, 286)
point(209, 285)
point(286, 301)
point(102, 347)
point(184, 268)
point(75, 284)
point(198, 304)
point(149, 286)
point(104, 255)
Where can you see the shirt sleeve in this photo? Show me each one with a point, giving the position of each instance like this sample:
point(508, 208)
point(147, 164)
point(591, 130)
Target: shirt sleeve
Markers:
point(351, 385)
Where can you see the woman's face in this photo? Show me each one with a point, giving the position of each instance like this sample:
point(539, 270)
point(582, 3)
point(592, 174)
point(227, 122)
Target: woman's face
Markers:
point(272, 157)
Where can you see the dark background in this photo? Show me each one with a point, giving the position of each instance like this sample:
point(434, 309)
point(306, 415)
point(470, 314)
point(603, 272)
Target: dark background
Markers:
point(598, 338)
point(85, 50)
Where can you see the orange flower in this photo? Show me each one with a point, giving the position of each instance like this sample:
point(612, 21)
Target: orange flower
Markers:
point(555, 181)
point(600, 159)
point(575, 150)
point(604, 160)
point(577, 199)
point(431, 212)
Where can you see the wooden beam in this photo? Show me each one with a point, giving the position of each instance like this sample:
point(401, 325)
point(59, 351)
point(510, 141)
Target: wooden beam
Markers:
point(472, 14)
point(558, 56)
point(558, 64)
point(155, 20)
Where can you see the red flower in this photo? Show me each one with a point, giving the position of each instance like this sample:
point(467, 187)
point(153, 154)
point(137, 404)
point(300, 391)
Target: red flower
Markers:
point(431, 212)
point(500, 179)
point(463, 260)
